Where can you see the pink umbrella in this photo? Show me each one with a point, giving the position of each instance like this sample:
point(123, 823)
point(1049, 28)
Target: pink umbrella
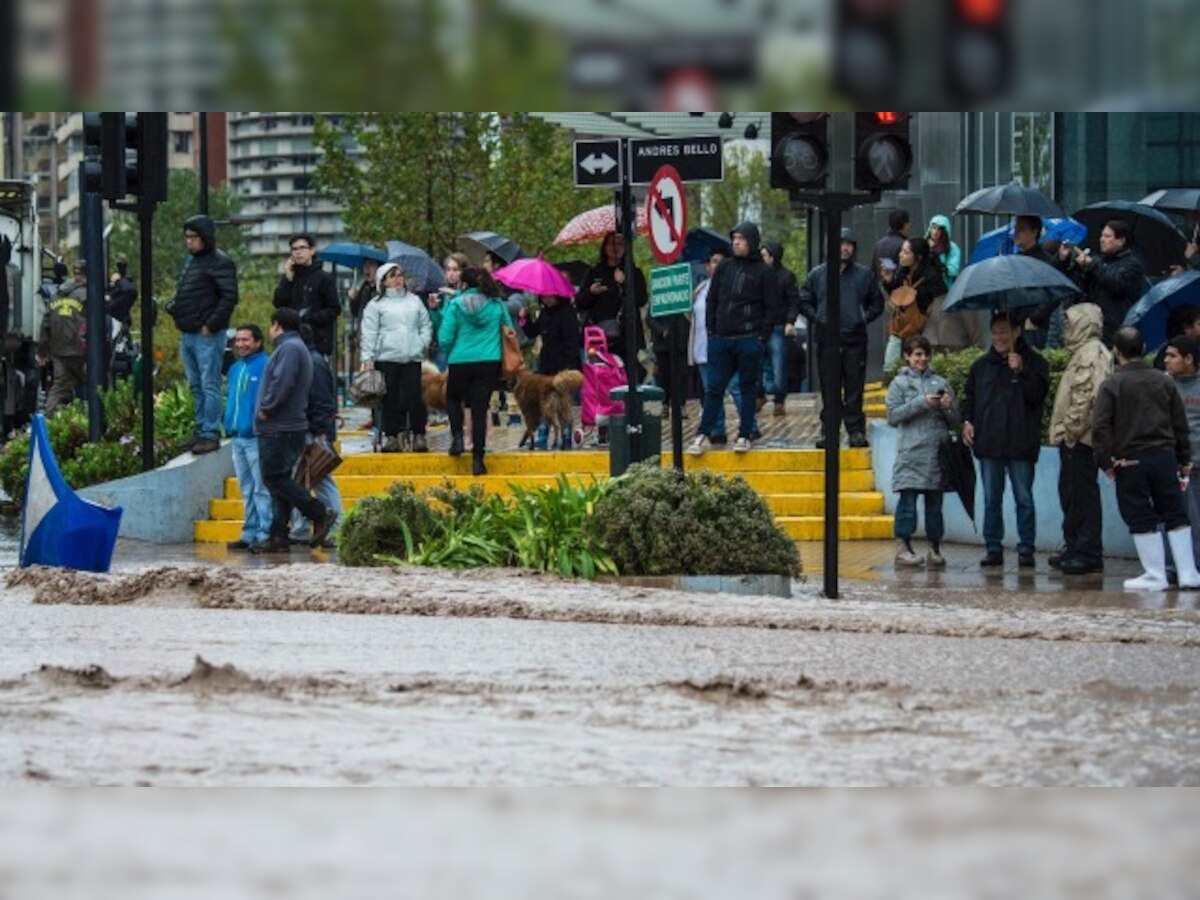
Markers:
point(591, 226)
point(535, 276)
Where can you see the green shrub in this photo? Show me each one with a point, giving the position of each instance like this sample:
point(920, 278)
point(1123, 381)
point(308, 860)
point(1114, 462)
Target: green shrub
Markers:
point(375, 529)
point(552, 532)
point(656, 521)
point(955, 366)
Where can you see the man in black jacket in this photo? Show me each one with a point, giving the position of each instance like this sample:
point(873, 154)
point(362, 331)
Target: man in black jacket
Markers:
point(861, 304)
point(1116, 280)
point(311, 291)
point(743, 302)
point(1003, 402)
point(205, 295)
point(281, 424)
point(775, 363)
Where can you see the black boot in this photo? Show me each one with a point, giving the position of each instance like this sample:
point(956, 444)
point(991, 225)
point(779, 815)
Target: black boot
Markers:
point(477, 466)
point(456, 444)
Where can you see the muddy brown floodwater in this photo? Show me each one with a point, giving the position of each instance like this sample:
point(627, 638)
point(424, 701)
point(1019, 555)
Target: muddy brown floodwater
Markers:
point(314, 674)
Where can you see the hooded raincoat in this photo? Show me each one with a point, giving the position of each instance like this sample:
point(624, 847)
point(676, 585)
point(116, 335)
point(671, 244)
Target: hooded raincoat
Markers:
point(207, 290)
point(470, 329)
point(1090, 363)
point(952, 257)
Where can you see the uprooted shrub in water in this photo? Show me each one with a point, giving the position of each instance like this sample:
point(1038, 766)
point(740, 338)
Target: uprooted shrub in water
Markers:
point(657, 521)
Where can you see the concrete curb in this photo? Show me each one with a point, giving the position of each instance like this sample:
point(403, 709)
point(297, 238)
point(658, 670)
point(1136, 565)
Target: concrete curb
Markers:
point(162, 506)
point(744, 585)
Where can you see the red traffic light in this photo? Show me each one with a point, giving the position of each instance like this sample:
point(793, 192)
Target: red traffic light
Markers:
point(981, 12)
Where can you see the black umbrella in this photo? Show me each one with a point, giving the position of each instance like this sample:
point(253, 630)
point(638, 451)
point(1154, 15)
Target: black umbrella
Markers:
point(477, 243)
point(1007, 282)
point(574, 269)
point(1010, 200)
point(1175, 199)
point(958, 472)
point(1154, 235)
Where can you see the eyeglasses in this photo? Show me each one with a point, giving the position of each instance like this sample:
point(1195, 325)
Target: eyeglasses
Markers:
point(301, 247)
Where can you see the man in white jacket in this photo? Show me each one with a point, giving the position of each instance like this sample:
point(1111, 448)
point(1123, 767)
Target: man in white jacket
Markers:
point(396, 332)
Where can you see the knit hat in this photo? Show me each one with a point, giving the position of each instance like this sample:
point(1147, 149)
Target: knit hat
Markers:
point(383, 273)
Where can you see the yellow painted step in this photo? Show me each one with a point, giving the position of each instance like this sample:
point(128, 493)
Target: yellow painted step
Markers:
point(850, 528)
point(218, 531)
point(869, 503)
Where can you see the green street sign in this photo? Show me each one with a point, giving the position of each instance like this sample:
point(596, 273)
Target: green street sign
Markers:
point(671, 290)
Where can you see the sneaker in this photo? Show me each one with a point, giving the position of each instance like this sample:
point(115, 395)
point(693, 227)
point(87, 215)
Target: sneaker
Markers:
point(756, 435)
point(935, 560)
point(239, 544)
point(477, 466)
point(719, 440)
point(993, 560)
point(322, 528)
point(272, 545)
point(1026, 561)
point(779, 409)
point(819, 443)
point(698, 446)
point(741, 445)
point(391, 445)
point(456, 444)
point(1056, 561)
point(419, 445)
point(908, 559)
point(205, 445)
point(858, 439)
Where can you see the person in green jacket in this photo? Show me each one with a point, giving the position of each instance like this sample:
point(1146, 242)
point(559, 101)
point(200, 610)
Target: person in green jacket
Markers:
point(944, 248)
point(469, 335)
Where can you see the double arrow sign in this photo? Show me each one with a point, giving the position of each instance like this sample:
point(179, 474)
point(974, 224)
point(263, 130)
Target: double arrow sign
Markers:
point(600, 163)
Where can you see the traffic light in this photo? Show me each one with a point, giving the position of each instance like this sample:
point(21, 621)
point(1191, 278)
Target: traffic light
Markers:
point(92, 153)
point(883, 151)
point(868, 50)
point(799, 150)
point(979, 52)
point(134, 155)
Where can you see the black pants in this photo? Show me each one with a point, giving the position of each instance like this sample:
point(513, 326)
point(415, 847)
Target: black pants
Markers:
point(473, 384)
point(853, 358)
point(403, 409)
point(277, 456)
point(1148, 493)
point(1079, 495)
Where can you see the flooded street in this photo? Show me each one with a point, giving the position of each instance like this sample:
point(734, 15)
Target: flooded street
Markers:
point(195, 674)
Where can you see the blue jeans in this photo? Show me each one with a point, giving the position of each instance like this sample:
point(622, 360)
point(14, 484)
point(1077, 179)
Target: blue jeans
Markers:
point(256, 521)
point(1020, 476)
point(727, 355)
point(705, 375)
point(202, 356)
point(906, 515)
point(775, 368)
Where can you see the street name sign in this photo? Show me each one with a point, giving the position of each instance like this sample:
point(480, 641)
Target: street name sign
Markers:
point(598, 163)
point(670, 290)
point(694, 158)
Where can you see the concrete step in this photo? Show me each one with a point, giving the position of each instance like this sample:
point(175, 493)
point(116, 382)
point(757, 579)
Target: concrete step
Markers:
point(868, 503)
point(850, 528)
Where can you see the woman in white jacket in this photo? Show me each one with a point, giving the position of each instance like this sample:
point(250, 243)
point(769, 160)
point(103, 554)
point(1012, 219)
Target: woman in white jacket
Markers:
point(396, 332)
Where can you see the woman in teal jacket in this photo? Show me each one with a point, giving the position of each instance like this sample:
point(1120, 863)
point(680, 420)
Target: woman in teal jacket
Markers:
point(470, 337)
point(944, 248)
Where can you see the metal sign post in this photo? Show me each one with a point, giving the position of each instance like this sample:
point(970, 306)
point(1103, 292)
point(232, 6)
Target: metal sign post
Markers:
point(832, 205)
point(633, 400)
point(670, 299)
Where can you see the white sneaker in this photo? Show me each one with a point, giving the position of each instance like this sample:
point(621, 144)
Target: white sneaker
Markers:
point(699, 445)
point(741, 445)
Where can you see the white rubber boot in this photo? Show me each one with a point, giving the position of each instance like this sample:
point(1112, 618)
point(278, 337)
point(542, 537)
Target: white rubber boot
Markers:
point(1185, 562)
point(1154, 561)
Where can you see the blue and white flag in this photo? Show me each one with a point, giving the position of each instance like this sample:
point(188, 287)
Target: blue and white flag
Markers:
point(58, 528)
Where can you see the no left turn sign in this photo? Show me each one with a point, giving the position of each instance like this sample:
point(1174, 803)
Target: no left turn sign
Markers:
point(666, 215)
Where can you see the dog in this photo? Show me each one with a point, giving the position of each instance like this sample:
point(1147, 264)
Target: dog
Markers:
point(546, 397)
point(433, 387)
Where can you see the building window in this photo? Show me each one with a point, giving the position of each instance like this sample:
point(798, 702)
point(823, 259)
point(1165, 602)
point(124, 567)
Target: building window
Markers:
point(300, 183)
point(183, 142)
point(269, 185)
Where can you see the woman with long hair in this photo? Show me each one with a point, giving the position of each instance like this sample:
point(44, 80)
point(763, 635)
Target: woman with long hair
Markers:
point(913, 287)
point(470, 336)
point(601, 297)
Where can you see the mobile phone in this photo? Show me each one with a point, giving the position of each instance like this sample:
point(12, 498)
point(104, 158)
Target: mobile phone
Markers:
point(941, 392)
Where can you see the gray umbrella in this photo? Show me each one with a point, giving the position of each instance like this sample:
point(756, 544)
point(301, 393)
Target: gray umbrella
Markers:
point(1010, 200)
point(1174, 199)
point(423, 273)
point(1007, 282)
point(477, 243)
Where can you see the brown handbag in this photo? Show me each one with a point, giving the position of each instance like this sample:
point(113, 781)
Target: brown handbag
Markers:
point(907, 318)
point(512, 360)
point(316, 461)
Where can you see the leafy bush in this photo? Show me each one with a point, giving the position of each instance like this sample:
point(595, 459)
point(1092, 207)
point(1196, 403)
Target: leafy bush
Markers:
point(376, 527)
point(656, 521)
point(954, 367)
point(552, 532)
point(118, 453)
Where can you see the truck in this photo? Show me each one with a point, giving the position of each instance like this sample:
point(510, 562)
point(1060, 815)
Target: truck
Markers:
point(21, 306)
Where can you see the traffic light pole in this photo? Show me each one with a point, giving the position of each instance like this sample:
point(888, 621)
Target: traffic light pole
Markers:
point(633, 399)
point(832, 205)
point(92, 223)
point(145, 208)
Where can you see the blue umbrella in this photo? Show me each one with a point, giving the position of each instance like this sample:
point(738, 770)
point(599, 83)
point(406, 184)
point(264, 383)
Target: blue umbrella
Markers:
point(1153, 311)
point(999, 241)
point(1007, 282)
point(350, 255)
point(423, 273)
point(700, 242)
